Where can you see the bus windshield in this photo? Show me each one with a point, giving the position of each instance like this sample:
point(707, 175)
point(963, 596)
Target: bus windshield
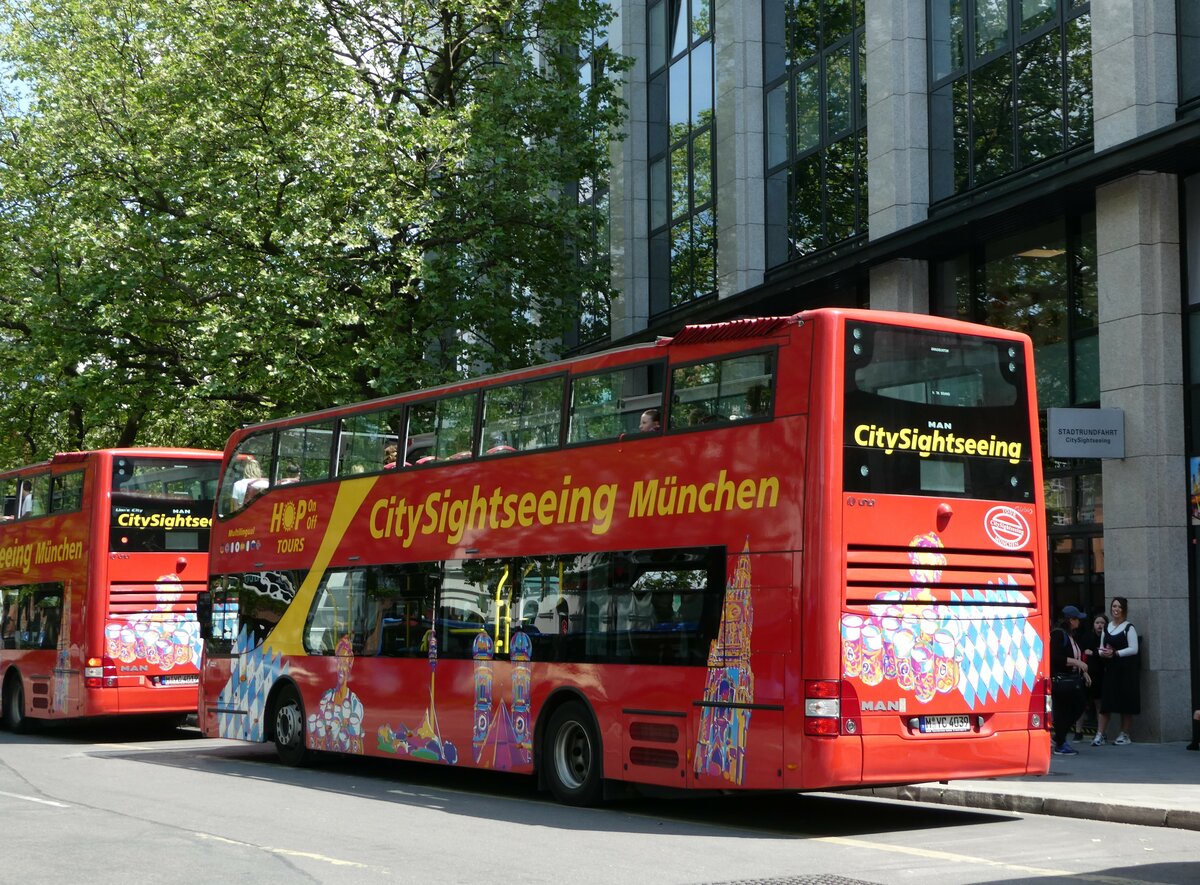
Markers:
point(935, 413)
point(162, 504)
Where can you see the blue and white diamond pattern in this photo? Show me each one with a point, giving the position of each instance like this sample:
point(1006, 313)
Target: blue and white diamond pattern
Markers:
point(250, 680)
point(1001, 650)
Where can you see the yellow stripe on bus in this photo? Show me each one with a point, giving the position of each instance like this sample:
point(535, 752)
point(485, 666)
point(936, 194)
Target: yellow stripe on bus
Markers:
point(286, 637)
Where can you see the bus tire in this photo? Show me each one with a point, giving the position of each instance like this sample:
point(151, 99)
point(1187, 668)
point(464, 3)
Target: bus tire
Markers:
point(571, 756)
point(15, 719)
point(287, 719)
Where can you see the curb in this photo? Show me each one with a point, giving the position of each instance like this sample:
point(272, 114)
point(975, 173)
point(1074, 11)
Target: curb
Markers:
point(1175, 818)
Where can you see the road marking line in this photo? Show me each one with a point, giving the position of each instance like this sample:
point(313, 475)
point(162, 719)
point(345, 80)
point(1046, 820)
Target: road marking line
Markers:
point(35, 799)
point(932, 854)
point(284, 851)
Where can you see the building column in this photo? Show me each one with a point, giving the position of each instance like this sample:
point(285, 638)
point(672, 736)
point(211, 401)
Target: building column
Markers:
point(1145, 494)
point(1134, 69)
point(897, 144)
point(1141, 356)
point(740, 197)
point(629, 181)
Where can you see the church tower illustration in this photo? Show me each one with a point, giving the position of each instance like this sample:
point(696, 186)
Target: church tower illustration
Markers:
point(721, 743)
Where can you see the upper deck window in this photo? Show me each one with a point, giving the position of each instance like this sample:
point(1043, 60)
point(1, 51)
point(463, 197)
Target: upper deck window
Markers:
point(304, 453)
point(441, 429)
point(247, 475)
point(730, 389)
point(607, 405)
point(369, 442)
point(522, 417)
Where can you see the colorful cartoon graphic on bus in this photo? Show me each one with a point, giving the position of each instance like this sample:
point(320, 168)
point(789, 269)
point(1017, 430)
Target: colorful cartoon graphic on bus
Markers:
point(426, 742)
point(338, 722)
point(164, 637)
point(502, 737)
point(721, 745)
point(930, 648)
point(253, 672)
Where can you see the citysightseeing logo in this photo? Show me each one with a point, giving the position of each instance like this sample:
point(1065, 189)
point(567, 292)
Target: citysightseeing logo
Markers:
point(938, 438)
point(1006, 527)
point(452, 516)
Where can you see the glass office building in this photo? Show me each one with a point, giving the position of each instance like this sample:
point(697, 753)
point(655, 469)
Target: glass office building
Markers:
point(1031, 164)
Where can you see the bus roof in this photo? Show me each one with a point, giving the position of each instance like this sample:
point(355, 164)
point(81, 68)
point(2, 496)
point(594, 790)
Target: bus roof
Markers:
point(77, 457)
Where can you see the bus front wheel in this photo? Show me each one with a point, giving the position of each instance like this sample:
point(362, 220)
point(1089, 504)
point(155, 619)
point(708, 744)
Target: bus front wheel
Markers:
point(289, 727)
point(14, 705)
point(571, 756)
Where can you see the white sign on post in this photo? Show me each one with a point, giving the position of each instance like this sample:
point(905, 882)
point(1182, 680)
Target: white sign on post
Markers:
point(1085, 433)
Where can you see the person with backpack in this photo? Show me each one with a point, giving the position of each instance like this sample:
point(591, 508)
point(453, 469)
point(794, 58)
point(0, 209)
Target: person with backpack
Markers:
point(1068, 678)
point(1122, 689)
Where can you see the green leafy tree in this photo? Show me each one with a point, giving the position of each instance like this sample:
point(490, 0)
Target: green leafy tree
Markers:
point(217, 211)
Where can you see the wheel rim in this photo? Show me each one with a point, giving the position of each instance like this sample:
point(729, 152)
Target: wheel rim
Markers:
point(572, 755)
point(287, 724)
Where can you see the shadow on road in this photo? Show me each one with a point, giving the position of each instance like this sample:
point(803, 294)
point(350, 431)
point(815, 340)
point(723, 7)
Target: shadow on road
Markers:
point(491, 795)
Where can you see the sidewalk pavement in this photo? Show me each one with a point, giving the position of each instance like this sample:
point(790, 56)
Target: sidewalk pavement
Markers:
point(1155, 785)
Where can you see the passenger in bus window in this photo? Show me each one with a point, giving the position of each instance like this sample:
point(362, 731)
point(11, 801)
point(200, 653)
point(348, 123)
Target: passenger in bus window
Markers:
point(389, 457)
point(250, 486)
point(650, 422)
point(25, 499)
point(290, 473)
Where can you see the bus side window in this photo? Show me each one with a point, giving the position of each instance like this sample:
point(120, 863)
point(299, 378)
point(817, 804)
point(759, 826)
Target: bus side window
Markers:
point(305, 453)
point(522, 417)
point(607, 405)
point(247, 475)
point(730, 389)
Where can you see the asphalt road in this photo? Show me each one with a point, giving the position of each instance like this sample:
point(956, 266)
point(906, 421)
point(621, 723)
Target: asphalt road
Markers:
point(119, 806)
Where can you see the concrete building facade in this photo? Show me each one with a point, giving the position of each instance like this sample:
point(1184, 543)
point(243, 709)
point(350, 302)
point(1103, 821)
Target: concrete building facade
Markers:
point(1033, 164)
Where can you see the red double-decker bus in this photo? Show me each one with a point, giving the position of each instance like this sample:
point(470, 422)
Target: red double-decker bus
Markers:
point(102, 555)
point(774, 554)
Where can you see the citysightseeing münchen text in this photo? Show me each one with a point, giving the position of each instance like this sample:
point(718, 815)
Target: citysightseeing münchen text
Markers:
point(22, 556)
point(452, 516)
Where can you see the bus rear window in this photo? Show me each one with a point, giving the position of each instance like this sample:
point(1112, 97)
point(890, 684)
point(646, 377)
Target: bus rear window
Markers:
point(162, 504)
point(936, 413)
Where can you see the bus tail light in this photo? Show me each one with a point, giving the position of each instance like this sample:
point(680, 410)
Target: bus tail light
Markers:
point(822, 707)
point(1041, 706)
point(100, 673)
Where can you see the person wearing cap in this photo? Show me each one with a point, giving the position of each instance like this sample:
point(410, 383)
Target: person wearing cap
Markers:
point(1069, 678)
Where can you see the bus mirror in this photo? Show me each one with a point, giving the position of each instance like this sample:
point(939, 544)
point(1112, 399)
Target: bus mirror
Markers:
point(204, 611)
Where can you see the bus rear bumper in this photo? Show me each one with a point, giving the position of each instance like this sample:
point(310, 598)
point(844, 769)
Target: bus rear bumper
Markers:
point(885, 760)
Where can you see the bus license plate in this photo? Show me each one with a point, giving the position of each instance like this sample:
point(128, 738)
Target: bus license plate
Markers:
point(944, 724)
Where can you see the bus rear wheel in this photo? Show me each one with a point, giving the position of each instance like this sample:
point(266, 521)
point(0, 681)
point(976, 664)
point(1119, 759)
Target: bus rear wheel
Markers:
point(571, 756)
point(289, 727)
point(15, 719)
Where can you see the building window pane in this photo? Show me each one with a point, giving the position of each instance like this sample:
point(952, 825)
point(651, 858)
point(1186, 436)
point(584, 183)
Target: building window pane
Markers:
point(1039, 99)
point(808, 108)
point(1086, 366)
point(1035, 13)
point(991, 26)
point(702, 169)
point(681, 264)
point(701, 18)
point(658, 194)
point(678, 103)
point(839, 91)
point(680, 182)
point(948, 37)
point(991, 121)
point(804, 227)
point(1079, 80)
point(702, 84)
point(1189, 50)
point(657, 37)
point(777, 151)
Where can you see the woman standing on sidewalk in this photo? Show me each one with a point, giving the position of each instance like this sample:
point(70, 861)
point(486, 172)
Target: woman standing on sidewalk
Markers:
point(1068, 678)
point(1122, 689)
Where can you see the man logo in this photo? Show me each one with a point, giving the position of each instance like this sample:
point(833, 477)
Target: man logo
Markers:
point(883, 706)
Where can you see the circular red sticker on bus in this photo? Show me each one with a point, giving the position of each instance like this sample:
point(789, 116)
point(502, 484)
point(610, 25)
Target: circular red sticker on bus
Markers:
point(1006, 527)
